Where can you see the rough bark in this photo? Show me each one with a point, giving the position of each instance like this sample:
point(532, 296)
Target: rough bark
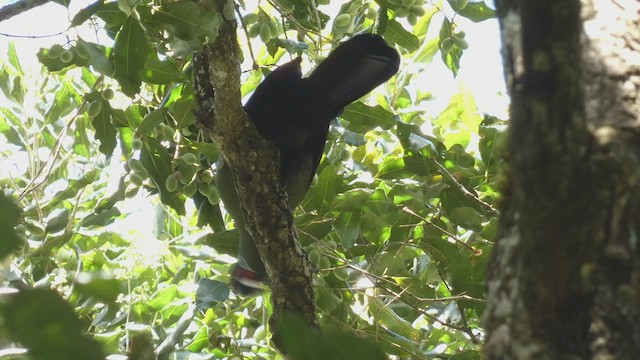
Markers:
point(18, 7)
point(564, 281)
point(255, 162)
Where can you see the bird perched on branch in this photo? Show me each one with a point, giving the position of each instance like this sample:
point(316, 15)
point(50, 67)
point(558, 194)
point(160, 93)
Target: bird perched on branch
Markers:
point(294, 113)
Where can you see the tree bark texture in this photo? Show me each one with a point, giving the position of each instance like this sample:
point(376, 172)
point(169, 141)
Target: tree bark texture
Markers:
point(564, 280)
point(255, 162)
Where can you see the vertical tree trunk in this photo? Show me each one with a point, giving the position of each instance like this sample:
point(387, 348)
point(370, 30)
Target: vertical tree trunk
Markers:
point(564, 281)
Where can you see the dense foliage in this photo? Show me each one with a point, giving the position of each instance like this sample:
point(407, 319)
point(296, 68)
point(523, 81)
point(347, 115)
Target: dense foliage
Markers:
point(102, 155)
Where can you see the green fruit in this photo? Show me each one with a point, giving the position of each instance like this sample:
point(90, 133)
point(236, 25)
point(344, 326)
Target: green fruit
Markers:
point(331, 244)
point(34, 227)
point(66, 56)
point(82, 51)
point(461, 43)
point(205, 189)
point(214, 198)
point(131, 191)
point(136, 179)
point(370, 13)
point(190, 189)
point(94, 108)
point(55, 51)
point(265, 32)
point(137, 144)
point(190, 158)
point(344, 155)
point(408, 3)
point(341, 274)
point(460, 35)
point(412, 19)
point(417, 10)
point(206, 176)
point(314, 257)
point(135, 165)
point(254, 30)
point(402, 12)
point(251, 18)
point(260, 333)
point(342, 21)
point(107, 94)
point(324, 262)
point(394, 2)
point(459, 4)
point(446, 45)
point(286, 5)
point(166, 131)
point(171, 183)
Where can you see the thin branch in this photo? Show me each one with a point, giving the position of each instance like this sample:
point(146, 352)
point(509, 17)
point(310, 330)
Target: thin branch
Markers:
point(486, 207)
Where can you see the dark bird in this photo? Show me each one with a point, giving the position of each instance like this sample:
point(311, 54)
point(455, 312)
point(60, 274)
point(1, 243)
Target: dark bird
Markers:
point(294, 113)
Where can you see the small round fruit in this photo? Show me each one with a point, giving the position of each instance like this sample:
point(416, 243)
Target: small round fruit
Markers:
point(460, 35)
point(82, 51)
point(461, 43)
point(190, 189)
point(341, 274)
point(370, 13)
point(314, 258)
point(171, 183)
point(135, 165)
point(107, 94)
point(402, 12)
point(460, 4)
point(190, 158)
point(205, 189)
point(251, 18)
point(137, 144)
point(206, 176)
point(286, 5)
point(136, 179)
point(324, 262)
point(342, 21)
point(55, 51)
point(408, 3)
point(417, 10)
point(412, 19)
point(167, 131)
point(94, 108)
point(66, 56)
point(254, 30)
point(265, 32)
point(447, 45)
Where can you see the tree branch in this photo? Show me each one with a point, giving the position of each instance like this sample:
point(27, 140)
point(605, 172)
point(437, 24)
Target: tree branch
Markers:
point(255, 164)
point(17, 8)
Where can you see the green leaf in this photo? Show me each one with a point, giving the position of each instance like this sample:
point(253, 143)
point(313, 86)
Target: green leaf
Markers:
point(48, 327)
point(9, 216)
point(210, 292)
point(347, 226)
point(160, 72)
point(71, 190)
point(86, 13)
point(396, 34)
point(467, 217)
point(129, 56)
point(151, 121)
point(363, 118)
point(312, 228)
point(302, 342)
point(157, 160)
point(477, 11)
point(326, 189)
point(188, 20)
point(105, 131)
point(99, 285)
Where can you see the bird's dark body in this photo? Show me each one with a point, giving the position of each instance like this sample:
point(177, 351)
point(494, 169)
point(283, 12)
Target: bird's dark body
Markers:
point(294, 113)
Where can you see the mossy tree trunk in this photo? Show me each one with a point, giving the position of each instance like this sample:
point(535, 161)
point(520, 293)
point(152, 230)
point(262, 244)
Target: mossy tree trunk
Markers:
point(564, 281)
